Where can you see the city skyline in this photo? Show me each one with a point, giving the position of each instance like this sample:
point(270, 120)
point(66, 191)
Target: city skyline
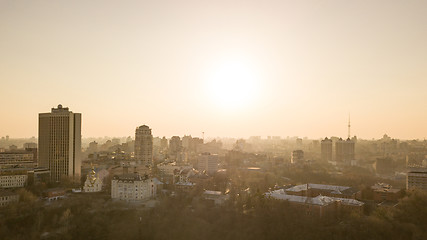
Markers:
point(227, 69)
point(213, 136)
point(198, 119)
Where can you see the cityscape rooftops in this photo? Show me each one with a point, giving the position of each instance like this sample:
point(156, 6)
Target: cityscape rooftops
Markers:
point(130, 177)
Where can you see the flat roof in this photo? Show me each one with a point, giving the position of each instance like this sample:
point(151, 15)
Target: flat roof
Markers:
point(319, 200)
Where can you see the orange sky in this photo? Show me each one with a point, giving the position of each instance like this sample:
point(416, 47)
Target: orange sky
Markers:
point(302, 67)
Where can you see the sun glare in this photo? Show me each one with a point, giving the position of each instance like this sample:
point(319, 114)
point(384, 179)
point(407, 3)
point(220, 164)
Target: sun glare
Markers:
point(233, 84)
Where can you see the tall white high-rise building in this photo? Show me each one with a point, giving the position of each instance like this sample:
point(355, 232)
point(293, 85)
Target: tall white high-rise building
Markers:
point(144, 145)
point(60, 143)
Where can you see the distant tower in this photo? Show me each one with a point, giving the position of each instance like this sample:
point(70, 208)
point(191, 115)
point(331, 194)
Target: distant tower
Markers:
point(144, 145)
point(60, 143)
point(175, 145)
point(326, 150)
point(349, 126)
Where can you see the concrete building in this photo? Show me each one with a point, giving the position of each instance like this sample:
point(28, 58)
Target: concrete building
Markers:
point(133, 187)
point(385, 192)
point(344, 151)
point(30, 145)
point(93, 182)
point(175, 145)
point(60, 143)
point(215, 196)
point(326, 150)
point(144, 145)
point(18, 158)
point(297, 156)
point(164, 144)
point(53, 194)
point(13, 178)
point(7, 197)
point(320, 205)
point(416, 178)
point(313, 190)
point(93, 147)
point(208, 162)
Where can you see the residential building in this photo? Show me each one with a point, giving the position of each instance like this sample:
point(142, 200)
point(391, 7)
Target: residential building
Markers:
point(144, 145)
point(385, 192)
point(133, 187)
point(208, 162)
point(60, 143)
point(416, 178)
point(326, 150)
point(175, 145)
point(297, 156)
point(344, 151)
point(215, 196)
point(8, 197)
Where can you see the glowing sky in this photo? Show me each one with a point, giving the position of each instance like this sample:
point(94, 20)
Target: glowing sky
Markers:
point(127, 63)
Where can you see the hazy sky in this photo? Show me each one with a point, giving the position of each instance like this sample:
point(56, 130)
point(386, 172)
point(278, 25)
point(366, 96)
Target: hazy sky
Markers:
point(228, 68)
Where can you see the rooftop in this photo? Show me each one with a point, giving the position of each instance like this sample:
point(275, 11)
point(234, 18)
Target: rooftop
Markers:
point(319, 200)
point(304, 187)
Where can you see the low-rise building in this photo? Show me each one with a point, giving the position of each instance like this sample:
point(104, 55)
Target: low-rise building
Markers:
point(319, 205)
point(53, 194)
point(133, 187)
point(416, 178)
point(313, 190)
point(18, 158)
point(13, 178)
point(384, 192)
point(215, 196)
point(8, 197)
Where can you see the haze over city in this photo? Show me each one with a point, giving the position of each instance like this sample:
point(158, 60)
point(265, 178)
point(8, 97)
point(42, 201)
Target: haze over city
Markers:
point(209, 120)
point(226, 68)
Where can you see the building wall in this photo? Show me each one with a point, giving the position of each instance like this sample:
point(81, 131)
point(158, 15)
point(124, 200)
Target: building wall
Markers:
point(21, 159)
point(416, 180)
point(60, 143)
point(344, 151)
point(8, 198)
point(96, 186)
point(144, 145)
point(208, 163)
point(136, 190)
point(13, 181)
point(326, 150)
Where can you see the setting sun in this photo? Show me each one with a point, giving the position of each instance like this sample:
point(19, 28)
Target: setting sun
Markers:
point(233, 84)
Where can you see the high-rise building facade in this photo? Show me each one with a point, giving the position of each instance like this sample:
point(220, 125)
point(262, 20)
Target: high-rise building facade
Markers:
point(175, 145)
point(297, 156)
point(144, 145)
point(60, 143)
point(326, 150)
point(208, 162)
point(344, 151)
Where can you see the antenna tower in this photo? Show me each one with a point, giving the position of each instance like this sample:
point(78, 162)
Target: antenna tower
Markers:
point(349, 125)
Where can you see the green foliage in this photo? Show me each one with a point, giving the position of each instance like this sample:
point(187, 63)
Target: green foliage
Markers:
point(247, 216)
